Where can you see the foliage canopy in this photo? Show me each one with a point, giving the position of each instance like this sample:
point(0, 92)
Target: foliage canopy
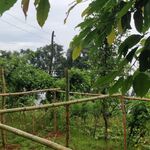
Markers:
point(105, 20)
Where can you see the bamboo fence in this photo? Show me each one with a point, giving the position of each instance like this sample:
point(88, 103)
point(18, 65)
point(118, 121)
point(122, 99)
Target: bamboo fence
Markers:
point(35, 138)
point(55, 104)
point(58, 104)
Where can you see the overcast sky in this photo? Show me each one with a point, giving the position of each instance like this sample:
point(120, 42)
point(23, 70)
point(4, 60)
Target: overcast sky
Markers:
point(17, 33)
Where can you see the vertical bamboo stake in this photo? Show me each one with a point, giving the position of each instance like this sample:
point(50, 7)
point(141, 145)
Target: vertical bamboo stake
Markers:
point(67, 108)
point(2, 117)
point(55, 115)
point(124, 121)
point(33, 122)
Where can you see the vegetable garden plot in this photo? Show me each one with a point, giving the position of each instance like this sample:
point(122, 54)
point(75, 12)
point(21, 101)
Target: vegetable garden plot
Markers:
point(86, 121)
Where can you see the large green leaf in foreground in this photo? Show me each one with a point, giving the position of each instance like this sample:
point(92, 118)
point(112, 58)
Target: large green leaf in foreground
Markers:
point(6, 5)
point(141, 84)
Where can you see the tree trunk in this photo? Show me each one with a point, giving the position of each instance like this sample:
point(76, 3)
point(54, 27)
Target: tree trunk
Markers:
point(105, 117)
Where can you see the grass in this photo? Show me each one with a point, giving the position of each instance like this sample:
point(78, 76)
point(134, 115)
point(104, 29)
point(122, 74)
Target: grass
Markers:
point(81, 137)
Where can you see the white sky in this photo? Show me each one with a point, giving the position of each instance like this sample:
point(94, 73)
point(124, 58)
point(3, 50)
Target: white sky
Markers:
point(17, 33)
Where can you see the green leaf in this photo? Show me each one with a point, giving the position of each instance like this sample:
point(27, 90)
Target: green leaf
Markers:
point(76, 52)
point(129, 43)
point(107, 79)
point(142, 42)
point(138, 20)
point(85, 12)
point(130, 56)
point(42, 11)
point(127, 84)
point(36, 2)
point(115, 88)
point(68, 12)
point(111, 37)
point(147, 16)
point(97, 5)
point(79, 1)
point(141, 84)
point(147, 43)
point(125, 9)
point(25, 6)
point(126, 21)
point(90, 36)
point(6, 5)
point(120, 29)
point(144, 60)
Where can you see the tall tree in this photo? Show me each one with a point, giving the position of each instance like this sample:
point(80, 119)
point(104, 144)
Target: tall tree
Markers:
point(21, 75)
point(101, 19)
point(42, 57)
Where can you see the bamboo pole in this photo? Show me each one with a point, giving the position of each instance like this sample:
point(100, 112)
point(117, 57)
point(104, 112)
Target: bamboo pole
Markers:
point(55, 115)
point(2, 116)
point(93, 94)
point(67, 109)
point(136, 98)
point(32, 137)
point(124, 121)
point(78, 93)
point(58, 104)
point(28, 92)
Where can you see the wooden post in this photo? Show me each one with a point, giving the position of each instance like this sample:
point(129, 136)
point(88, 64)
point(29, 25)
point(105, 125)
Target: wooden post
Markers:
point(55, 115)
point(124, 121)
point(2, 116)
point(52, 54)
point(67, 108)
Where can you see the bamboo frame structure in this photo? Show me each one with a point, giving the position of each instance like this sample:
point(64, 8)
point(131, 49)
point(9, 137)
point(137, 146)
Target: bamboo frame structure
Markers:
point(32, 137)
point(58, 104)
point(66, 104)
point(28, 92)
point(93, 94)
point(136, 98)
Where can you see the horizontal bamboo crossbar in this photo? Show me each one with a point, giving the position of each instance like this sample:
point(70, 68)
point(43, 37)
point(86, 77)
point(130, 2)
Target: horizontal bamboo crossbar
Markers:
point(28, 92)
point(136, 98)
point(94, 94)
point(78, 93)
point(35, 138)
point(58, 104)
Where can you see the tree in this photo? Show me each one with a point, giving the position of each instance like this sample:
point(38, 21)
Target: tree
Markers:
point(79, 80)
point(102, 19)
point(42, 56)
point(103, 61)
point(106, 19)
point(20, 75)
